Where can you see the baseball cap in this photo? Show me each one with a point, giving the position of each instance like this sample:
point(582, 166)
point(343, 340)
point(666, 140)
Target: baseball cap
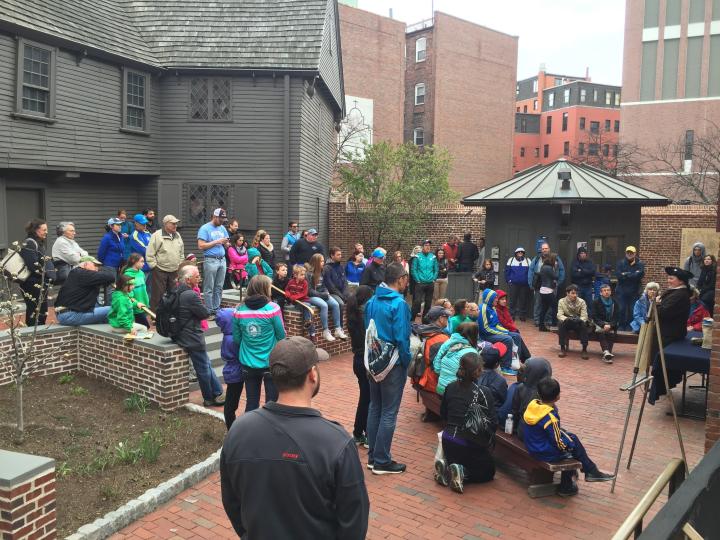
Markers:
point(219, 212)
point(630, 248)
point(426, 242)
point(436, 312)
point(139, 218)
point(296, 355)
point(114, 221)
point(379, 253)
point(519, 249)
point(312, 231)
point(170, 219)
point(89, 258)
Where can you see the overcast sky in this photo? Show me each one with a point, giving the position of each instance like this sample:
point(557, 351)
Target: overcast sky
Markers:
point(567, 35)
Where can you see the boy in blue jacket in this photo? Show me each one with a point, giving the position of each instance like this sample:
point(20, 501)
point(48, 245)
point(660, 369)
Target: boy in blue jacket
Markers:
point(545, 440)
point(491, 330)
point(232, 370)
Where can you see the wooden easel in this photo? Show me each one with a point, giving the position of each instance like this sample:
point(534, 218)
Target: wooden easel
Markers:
point(643, 363)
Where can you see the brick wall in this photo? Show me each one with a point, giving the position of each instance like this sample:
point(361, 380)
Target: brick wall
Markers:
point(457, 219)
point(661, 232)
point(27, 508)
point(64, 360)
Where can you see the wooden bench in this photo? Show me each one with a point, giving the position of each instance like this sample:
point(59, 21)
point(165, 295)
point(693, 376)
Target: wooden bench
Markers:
point(510, 449)
point(630, 338)
point(431, 401)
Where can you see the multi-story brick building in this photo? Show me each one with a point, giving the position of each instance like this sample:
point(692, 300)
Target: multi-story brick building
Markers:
point(559, 116)
point(671, 84)
point(459, 94)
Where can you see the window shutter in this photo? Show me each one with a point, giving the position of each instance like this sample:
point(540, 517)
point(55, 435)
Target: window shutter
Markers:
point(245, 199)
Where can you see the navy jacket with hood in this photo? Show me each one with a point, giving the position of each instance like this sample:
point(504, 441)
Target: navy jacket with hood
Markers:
point(335, 280)
point(582, 272)
point(629, 275)
point(392, 320)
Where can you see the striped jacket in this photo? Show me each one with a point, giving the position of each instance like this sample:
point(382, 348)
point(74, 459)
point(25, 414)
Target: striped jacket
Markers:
point(488, 321)
point(544, 439)
point(257, 327)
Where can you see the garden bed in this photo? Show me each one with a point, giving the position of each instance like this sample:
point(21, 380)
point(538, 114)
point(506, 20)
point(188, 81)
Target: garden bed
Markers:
point(107, 450)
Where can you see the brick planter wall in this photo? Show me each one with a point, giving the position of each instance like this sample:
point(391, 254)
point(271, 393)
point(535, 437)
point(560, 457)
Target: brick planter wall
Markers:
point(160, 373)
point(27, 497)
point(64, 360)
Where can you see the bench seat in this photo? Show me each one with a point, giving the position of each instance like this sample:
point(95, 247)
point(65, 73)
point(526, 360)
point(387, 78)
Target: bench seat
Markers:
point(630, 338)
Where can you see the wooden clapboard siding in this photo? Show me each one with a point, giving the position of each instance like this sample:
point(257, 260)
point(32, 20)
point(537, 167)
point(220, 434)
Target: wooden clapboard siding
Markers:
point(330, 65)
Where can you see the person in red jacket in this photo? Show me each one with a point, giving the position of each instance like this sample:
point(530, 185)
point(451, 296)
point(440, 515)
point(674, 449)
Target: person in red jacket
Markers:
point(451, 251)
point(698, 311)
point(297, 290)
point(504, 313)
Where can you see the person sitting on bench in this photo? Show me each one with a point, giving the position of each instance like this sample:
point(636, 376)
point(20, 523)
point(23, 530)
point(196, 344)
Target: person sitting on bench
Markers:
point(572, 316)
point(606, 316)
point(535, 369)
point(465, 459)
point(491, 330)
point(447, 359)
point(545, 440)
point(490, 376)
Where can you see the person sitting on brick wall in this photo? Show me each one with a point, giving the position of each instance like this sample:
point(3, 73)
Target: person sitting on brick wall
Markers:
point(297, 291)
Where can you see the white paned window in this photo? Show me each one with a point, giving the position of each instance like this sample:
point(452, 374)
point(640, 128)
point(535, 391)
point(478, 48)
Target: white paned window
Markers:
point(420, 94)
point(421, 50)
point(419, 136)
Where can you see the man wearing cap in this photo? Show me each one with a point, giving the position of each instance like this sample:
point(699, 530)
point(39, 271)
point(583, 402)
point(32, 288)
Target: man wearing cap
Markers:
point(303, 250)
point(516, 276)
point(139, 239)
point(374, 273)
point(164, 254)
point(288, 241)
point(212, 238)
point(424, 270)
point(309, 465)
point(76, 303)
point(433, 334)
point(582, 274)
point(629, 273)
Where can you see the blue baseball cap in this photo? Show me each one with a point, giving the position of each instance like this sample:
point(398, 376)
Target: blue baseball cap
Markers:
point(139, 218)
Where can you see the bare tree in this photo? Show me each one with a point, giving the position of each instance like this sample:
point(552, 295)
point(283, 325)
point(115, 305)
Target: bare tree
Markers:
point(602, 150)
point(23, 357)
point(354, 134)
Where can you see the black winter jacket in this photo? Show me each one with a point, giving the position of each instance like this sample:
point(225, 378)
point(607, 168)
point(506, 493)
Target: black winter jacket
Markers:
point(192, 311)
point(373, 275)
point(468, 253)
point(81, 288)
point(302, 251)
point(599, 315)
point(582, 273)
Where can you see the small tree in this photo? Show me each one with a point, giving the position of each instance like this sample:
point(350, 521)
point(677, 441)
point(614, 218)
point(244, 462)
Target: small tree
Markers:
point(23, 357)
point(603, 151)
point(392, 189)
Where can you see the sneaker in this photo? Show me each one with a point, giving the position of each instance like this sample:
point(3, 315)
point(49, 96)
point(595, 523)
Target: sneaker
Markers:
point(568, 491)
point(584, 354)
point(611, 355)
point(598, 476)
point(340, 334)
point(361, 441)
point(441, 473)
point(563, 352)
point(217, 401)
point(370, 465)
point(391, 468)
point(508, 371)
point(457, 476)
point(607, 357)
point(327, 336)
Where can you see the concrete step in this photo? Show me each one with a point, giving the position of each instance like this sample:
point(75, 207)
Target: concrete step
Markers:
point(213, 342)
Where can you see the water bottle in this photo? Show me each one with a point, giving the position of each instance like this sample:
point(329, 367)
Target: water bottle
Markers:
point(509, 424)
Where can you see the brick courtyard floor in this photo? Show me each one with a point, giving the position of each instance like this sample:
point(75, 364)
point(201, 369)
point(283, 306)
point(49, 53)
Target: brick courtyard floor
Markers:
point(412, 505)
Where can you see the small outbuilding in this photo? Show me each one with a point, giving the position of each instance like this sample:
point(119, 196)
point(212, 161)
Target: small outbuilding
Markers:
point(567, 204)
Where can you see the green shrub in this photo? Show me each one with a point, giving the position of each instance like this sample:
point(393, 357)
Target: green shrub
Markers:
point(135, 402)
point(78, 390)
point(66, 378)
point(150, 444)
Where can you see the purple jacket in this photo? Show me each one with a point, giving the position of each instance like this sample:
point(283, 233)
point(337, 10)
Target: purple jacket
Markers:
point(229, 350)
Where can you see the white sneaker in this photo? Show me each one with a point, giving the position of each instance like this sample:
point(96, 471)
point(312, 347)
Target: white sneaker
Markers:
point(327, 336)
point(340, 334)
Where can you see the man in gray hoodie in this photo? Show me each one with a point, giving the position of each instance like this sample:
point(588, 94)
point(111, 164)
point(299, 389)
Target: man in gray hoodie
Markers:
point(693, 263)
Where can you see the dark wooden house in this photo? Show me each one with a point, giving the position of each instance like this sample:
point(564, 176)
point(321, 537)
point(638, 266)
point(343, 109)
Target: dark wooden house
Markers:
point(176, 104)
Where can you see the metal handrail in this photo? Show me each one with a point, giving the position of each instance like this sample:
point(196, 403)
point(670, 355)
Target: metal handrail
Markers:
point(674, 474)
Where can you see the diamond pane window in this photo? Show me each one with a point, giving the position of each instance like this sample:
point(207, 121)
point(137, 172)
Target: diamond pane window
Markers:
point(199, 105)
point(36, 79)
point(211, 99)
point(222, 91)
point(200, 200)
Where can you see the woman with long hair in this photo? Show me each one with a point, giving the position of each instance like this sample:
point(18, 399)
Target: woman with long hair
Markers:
point(441, 282)
point(41, 269)
point(321, 298)
point(265, 247)
point(257, 327)
point(354, 268)
point(548, 290)
point(355, 312)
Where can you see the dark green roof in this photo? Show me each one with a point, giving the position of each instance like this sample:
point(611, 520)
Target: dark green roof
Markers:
point(540, 184)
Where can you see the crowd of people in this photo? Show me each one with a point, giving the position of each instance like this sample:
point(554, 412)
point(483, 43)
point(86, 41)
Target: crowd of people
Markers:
point(461, 350)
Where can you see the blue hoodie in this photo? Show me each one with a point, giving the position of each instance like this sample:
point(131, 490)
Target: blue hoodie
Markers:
point(229, 350)
point(112, 250)
point(516, 270)
point(488, 321)
point(257, 327)
point(544, 439)
point(392, 320)
point(138, 243)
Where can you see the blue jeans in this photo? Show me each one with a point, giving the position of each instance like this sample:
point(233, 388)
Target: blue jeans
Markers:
point(323, 305)
point(508, 340)
point(626, 302)
point(254, 378)
point(210, 386)
point(213, 278)
point(99, 315)
point(385, 398)
point(586, 293)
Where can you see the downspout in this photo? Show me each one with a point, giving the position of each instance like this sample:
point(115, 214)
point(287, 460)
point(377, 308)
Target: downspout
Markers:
point(286, 152)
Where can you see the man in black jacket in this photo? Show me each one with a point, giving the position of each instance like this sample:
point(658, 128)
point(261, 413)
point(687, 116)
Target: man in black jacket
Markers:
point(468, 254)
point(191, 338)
point(303, 250)
point(285, 471)
point(374, 273)
point(76, 303)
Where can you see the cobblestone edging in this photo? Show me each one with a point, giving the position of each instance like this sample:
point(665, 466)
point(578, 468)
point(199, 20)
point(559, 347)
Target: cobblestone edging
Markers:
point(154, 497)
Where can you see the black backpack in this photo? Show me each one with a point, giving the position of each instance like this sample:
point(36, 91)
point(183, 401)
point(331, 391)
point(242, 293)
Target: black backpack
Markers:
point(168, 313)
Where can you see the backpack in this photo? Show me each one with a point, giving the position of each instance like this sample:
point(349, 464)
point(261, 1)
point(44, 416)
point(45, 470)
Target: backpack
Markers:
point(477, 426)
point(380, 356)
point(167, 314)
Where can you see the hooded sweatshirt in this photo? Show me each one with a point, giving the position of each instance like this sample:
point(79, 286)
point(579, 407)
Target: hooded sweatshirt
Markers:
point(504, 313)
point(582, 272)
point(260, 266)
point(257, 327)
point(229, 350)
point(392, 319)
point(516, 270)
point(447, 360)
point(694, 264)
point(140, 293)
point(544, 439)
point(536, 368)
point(121, 313)
point(488, 321)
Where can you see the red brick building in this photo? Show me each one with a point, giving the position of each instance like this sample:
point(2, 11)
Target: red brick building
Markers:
point(671, 81)
point(559, 116)
point(459, 94)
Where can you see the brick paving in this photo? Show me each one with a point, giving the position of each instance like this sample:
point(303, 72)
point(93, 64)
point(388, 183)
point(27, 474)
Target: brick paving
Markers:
point(412, 505)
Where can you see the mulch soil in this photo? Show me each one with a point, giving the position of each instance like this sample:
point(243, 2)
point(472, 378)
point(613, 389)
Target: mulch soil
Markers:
point(80, 424)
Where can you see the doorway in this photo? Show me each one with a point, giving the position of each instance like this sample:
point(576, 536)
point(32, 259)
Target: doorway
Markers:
point(22, 206)
point(606, 250)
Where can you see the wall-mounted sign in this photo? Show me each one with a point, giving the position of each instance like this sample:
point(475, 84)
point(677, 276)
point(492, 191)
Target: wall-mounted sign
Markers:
point(598, 245)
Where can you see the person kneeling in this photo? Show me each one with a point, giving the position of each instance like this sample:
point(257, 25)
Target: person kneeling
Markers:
point(545, 440)
point(468, 456)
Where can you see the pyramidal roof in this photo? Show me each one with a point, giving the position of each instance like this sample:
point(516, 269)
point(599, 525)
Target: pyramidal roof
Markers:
point(563, 182)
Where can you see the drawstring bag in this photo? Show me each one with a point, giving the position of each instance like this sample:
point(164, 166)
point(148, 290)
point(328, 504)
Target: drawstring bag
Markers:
point(380, 356)
point(478, 427)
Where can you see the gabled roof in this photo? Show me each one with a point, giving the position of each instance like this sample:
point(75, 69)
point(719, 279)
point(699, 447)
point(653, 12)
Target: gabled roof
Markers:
point(587, 185)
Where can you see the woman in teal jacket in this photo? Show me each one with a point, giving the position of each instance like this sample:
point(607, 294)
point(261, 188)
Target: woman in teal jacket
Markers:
point(256, 265)
point(257, 327)
point(447, 359)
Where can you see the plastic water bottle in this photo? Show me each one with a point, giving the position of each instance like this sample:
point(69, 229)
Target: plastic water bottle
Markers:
point(509, 424)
